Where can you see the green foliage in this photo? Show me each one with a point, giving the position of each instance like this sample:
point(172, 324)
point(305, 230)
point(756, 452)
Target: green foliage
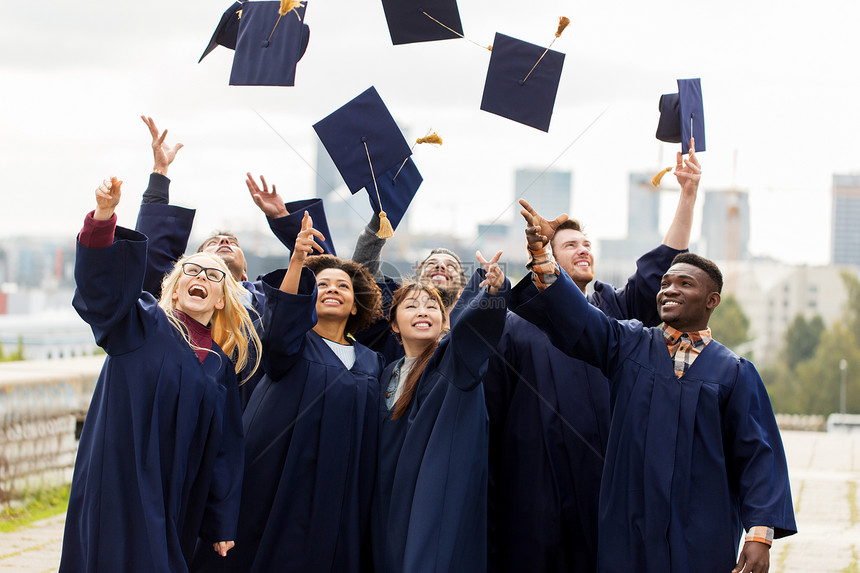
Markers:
point(852, 307)
point(14, 356)
point(807, 378)
point(38, 505)
point(801, 340)
point(729, 324)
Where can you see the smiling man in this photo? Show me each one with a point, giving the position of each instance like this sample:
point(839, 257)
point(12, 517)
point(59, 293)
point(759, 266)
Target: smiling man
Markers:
point(694, 454)
point(226, 245)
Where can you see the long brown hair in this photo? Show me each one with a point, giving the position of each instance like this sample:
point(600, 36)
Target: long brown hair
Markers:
point(421, 360)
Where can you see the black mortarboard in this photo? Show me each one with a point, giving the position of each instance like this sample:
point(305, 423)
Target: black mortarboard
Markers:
point(397, 187)
point(518, 89)
point(422, 20)
point(227, 31)
point(363, 121)
point(269, 45)
point(682, 115)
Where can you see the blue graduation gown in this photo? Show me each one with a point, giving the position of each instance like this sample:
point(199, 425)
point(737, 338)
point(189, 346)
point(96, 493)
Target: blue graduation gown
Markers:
point(160, 456)
point(310, 448)
point(168, 228)
point(689, 461)
point(429, 511)
point(549, 424)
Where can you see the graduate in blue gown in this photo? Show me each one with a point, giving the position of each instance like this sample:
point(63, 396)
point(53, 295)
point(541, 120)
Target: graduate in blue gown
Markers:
point(548, 436)
point(311, 424)
point(429, 509)
point(168, 227)
point(694, 455)
point(159, 462)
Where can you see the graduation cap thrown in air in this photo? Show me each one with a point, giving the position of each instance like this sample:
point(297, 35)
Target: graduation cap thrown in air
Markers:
point(412, 21)
point(269, 44)
point(227, 31)
point(364, 143)
point(396, 188)
point(522, 81)
point(682, 115)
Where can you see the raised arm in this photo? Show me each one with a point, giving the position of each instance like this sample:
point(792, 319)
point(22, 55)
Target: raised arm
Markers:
point(368, 248)
point(688, 172)
point(162, 154)
point(478, 328)
point(305, 245)
point(269, 202)
point(166, 226)
point(109, 268)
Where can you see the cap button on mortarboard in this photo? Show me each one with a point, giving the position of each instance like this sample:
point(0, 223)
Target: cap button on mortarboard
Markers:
point(363, 139)
point(265, 44)
point(521, 83)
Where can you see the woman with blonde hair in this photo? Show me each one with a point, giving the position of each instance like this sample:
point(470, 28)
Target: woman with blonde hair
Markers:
point(159, 463)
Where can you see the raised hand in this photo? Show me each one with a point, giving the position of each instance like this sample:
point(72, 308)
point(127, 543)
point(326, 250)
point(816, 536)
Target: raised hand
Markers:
point(162, 154)
point(269, 203)
point(688, 171)
point(495, 278)
point(546, 227)
point(107, 198)
point(222, 547)
point(305, 244)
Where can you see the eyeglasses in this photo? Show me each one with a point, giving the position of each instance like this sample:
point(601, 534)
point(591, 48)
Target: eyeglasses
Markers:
point(193, 269)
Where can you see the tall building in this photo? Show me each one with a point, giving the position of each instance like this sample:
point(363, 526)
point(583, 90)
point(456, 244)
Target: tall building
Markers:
point(643, 231)
point(547, 191)
point(845, 233)
point(726, 225)
point(327, 178)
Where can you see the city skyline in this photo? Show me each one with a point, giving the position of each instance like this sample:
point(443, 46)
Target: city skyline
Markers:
point(769, 96)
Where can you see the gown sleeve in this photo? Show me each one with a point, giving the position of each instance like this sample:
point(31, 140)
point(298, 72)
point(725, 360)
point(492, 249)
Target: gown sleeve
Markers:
point(755, 455)
point(287, 318)
point(108, 294)
point(225, 492)
point(636, 299)
point(577, 328)
point(475, 335)
point(167, 227)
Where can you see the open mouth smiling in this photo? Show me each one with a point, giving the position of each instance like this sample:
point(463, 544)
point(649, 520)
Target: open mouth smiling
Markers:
point(197, 291)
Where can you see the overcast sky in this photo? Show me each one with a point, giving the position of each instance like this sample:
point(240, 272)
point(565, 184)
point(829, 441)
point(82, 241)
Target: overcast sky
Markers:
point(780, 84)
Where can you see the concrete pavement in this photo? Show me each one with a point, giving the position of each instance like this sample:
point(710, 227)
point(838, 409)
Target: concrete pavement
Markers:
point(825, 479)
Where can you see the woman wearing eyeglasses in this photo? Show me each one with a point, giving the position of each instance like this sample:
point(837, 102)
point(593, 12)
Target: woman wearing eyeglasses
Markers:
point(160, 457)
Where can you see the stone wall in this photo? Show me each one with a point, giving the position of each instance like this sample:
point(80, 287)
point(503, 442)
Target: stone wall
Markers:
point(41, 404)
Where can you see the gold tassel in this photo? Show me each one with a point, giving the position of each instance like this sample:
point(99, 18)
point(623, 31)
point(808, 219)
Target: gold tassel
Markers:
point(386, 231)
point(563, 22)
point(288, 6)
point(655, 181)
point(432, 138)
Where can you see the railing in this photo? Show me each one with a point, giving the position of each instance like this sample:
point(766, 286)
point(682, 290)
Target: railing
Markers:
point(42, 403)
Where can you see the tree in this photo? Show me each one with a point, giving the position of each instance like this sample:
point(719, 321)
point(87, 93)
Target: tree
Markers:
point(817, 379)
point(852, 305)
point(801, 340)
point(729, 324)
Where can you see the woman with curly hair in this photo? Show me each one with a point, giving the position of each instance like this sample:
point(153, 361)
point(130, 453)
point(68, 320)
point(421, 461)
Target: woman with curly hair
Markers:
point(160, 458)
point(310, 426)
